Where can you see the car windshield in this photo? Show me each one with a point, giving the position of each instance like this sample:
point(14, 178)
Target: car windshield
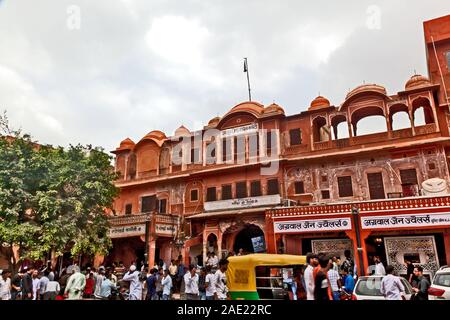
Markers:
point(442, 279)
point(368, 287)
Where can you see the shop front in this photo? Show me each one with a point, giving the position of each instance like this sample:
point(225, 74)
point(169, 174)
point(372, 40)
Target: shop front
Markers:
point(416, 229)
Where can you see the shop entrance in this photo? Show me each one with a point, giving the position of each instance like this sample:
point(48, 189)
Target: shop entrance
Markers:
point(249, 239)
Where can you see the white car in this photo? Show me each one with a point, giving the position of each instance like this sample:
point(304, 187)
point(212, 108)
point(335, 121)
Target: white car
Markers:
point(368, 288)
point(440, 287)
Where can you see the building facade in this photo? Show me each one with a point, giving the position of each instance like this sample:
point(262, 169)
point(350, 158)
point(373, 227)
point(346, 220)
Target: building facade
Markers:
point(255, 177)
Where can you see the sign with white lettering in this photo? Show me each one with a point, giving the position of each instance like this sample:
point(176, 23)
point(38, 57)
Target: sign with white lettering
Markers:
point(243, 203)
point(406, 220)
point(334, 224)
point(248, 129)
point(127, 231)
point(166, 229)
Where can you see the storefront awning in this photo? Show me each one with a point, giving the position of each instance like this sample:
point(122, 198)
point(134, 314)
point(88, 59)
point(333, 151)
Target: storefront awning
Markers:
point(217, 214)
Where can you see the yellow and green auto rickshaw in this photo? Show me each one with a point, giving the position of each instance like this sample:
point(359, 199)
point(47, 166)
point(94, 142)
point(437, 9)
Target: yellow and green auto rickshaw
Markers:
point(263, 276)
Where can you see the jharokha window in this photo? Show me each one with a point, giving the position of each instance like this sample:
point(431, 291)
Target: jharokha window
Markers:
point(226, 192)
point(409, 182)
point(128, 208)
point(148, 204)
point(376, 187)
point(162, 206)
point(211, 194)
point(325, 194)
point(295, 136)
point(345, 186)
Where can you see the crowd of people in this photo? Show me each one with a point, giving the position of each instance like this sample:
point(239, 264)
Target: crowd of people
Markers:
point(324, 278)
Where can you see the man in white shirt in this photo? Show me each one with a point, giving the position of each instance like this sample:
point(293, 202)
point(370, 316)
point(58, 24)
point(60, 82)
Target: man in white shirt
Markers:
point(391, 286)
point(379, 268)
point(210, 284)
point(5, 285)
point(221, 280)
point(312, 261)
point(191, 283)
point(36, 281)
point(166, 283)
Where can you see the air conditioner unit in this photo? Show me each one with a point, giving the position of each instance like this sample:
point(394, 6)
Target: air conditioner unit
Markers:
point(289, 203)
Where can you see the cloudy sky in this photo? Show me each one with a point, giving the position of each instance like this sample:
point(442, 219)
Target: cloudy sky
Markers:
point(100, 71)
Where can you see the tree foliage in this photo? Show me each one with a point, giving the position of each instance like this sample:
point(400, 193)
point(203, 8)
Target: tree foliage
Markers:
point(51, 198)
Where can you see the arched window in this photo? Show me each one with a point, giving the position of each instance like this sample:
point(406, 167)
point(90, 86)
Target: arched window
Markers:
point(164, 161)
point(368, 121)
point(422, 112)
point(132, 161)
point(321, 132)
point(340, 127)
point(399, 117)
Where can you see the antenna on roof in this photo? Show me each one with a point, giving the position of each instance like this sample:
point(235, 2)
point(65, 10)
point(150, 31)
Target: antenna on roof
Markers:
point(415, 72)
point(248, 79)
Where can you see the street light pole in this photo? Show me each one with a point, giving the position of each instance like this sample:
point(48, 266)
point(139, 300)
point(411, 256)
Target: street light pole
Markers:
point(355, 215)
point(147, 232)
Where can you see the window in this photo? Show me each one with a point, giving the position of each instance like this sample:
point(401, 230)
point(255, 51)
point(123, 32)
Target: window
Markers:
point(255, 189)
point(211, 153)
point(376, 187)
point(241, 189)
point(409, 177)
point(194, 195)
point(195, 155)
point(211, 194)
point(431, 166)
point(272, 187)
point(299, 187)
point(239, 148)
point(295, 137)
point(148, 204)
point(324, 178)
point(325, 194)
point(409, 182)
point(269, 141)
point(226, 149)
point(128, 208)
point(253, 145)
point(345, 186)
point(162, 206)
point(226, 192)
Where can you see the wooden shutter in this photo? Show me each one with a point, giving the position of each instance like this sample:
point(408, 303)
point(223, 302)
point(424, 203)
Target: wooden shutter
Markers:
point(295, 137)
point(376, 187)
point(409, 177)
point(226, 192)
point(255, 189)
point(345, 186)
point(194, 195)
point(148, 204)
point(272, 186)
point(128, 208)
point(241, 189)
point(299, 187)
point(211, 194)
point(325, 194)
point(162, 205)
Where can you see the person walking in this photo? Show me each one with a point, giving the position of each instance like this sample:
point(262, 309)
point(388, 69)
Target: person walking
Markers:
point(16, 286)
point(379, 268)
point(335, 282)
point(422, 286)
point(35, 279)
point(106, 288)
point(167, 285)
point(349, 282)
point(221, 280)
point(75, 285)
point(191, 283)
point(151, 285)
point(410, 272)
point(348, 264)
point(27, 284)
point(158, 284)
point(201, 284)
point(311, 260)
point(43, 282)
point(391, 286)
point(210, 284)
point(322, 287)
point(132, 276)
point(51, 290)
point(5, 285)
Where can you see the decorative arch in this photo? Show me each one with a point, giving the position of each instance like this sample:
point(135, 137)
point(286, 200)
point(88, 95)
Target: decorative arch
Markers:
point(337, 122)
point(321, 131)
point(253, 110)
point(164, 160)
point(401, 111)
point(131, 166)
point(424, 104)
point(365, 112)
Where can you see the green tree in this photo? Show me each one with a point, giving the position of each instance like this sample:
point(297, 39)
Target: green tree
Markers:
point(53, 199)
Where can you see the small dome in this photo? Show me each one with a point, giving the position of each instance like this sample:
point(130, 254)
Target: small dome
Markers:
point(366, 88)
point(182, 131)
point(417, 81)
point(155, 134)
point(319, 103)
point(213, 122)
point(126, 144)
point(273, 108)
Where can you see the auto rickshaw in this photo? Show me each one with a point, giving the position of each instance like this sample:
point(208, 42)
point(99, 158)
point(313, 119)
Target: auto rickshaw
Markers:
point(262, 276)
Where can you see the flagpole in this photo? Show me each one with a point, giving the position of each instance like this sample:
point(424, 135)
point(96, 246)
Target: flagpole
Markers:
point(248, 79)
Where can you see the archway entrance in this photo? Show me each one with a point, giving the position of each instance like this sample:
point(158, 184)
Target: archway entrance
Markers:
point(244, 238)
